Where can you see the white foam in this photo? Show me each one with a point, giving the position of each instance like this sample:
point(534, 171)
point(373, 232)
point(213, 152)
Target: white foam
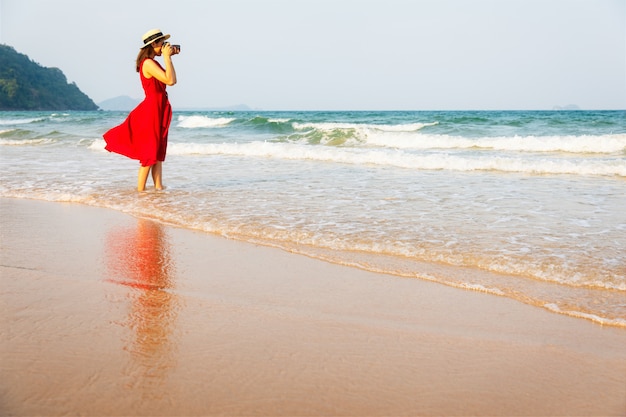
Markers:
point(20, 121)
point(191, 122)
point(402, 159)
point(569, 144)
point(408, 136)
point(25, 142)
point(412, 127)
point(593, 317)
point(481, 288)
point(97, 145)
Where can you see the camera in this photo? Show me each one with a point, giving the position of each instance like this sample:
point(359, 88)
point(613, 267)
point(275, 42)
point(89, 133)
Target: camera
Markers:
point(175, 48)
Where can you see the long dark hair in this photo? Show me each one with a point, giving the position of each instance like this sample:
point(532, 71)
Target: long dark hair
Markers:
point(145, 52)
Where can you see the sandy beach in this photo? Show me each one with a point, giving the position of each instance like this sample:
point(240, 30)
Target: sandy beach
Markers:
point(106, 314)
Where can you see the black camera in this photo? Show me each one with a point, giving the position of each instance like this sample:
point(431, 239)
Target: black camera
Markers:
point(175, 48)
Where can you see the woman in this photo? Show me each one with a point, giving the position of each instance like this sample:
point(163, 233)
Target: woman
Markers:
point(143, 135)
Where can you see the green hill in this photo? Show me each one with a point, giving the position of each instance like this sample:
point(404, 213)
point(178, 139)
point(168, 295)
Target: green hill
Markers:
point(26, 85)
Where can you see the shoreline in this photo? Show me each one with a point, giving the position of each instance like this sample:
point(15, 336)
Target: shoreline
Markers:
point(104, 314)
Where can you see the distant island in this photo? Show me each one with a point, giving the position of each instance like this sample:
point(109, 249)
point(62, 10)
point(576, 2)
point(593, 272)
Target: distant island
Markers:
point(26, 85)
point(119, 103)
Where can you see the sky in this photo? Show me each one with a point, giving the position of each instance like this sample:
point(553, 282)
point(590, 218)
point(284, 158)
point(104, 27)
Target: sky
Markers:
point(339, 54)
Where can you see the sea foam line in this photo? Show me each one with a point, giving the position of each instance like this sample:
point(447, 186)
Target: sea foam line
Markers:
point(26, 142)
point(20, 121)
point(408, 136)
point(608, 144)
point(191, 122)
point(401, 159)
point(329, 126)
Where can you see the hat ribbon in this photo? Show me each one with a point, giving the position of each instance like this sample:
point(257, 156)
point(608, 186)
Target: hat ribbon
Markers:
point(152, 37)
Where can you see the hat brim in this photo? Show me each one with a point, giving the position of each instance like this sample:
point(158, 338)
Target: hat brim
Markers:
point(165, 37)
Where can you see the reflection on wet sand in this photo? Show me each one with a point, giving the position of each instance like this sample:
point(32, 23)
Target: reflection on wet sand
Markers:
point(140, 258)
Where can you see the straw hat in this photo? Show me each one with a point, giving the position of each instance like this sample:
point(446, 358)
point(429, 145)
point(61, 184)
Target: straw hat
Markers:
point(151, 36)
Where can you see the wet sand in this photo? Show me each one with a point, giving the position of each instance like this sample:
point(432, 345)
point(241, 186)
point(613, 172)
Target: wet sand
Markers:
point(106, 314)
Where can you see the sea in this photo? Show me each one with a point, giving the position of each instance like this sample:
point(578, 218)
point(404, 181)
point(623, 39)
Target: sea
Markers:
point(529, 205)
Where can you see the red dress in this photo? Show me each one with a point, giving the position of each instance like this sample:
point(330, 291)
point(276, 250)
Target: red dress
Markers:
point(143, 135)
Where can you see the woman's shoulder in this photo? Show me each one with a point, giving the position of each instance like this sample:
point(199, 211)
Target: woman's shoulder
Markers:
point(146, 59)
point(150, 67)
point(149, 63)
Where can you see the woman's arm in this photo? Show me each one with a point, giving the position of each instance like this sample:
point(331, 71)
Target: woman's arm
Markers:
point(151, 69)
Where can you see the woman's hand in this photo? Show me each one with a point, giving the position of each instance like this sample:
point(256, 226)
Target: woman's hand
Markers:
point(167, 50)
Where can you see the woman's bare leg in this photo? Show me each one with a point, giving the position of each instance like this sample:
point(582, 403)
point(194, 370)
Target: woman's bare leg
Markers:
point(157, 173)
point(142, 177)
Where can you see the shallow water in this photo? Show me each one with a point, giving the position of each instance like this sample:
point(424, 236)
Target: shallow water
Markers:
point(527, 205)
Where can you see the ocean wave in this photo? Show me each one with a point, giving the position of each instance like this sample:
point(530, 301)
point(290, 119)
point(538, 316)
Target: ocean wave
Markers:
point(604, 144)
point(26, 142)
point(411, 136)
point(329, 126)
point(9, 122)
point(192, 122)
point(349, 134)
point(402, 159)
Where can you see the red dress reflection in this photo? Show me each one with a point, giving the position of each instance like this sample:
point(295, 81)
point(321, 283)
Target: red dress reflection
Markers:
point(140, 258)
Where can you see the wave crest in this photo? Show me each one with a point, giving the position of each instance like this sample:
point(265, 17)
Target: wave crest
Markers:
point(26, 142)
point(606, 144)
point(192, 122)
point(402, 159)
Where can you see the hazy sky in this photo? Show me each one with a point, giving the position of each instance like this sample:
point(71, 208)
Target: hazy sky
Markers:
point(339, 54)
